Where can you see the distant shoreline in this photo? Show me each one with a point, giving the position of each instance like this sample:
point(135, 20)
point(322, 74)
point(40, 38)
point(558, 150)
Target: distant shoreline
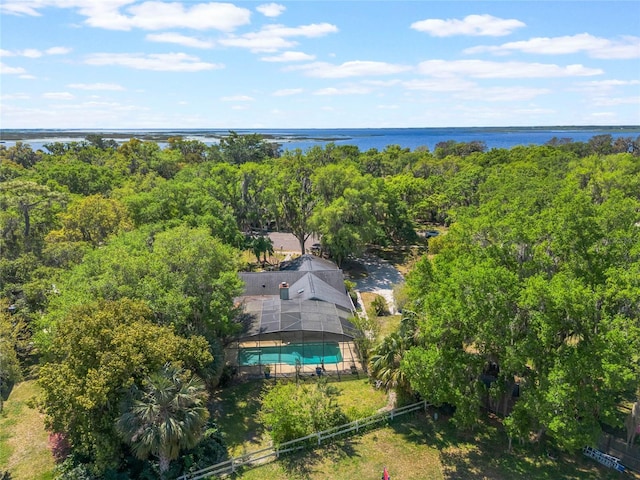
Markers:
point(277, 134)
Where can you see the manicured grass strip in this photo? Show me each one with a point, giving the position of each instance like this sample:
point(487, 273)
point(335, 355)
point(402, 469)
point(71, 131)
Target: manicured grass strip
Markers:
point(24, 443)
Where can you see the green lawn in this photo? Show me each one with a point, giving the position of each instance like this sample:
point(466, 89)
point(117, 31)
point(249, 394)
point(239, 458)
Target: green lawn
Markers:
point(411, 447)
point(24, 449)
point(415, 447)
point(236, 410)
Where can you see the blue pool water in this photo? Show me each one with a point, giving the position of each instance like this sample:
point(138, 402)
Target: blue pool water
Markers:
point(306, 353)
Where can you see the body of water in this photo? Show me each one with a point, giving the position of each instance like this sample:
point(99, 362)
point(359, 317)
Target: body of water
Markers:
point(363, 138)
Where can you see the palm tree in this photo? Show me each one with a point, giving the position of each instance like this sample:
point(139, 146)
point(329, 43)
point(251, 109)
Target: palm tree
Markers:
point(261, 245)
point(168, 414)
point(384, 364)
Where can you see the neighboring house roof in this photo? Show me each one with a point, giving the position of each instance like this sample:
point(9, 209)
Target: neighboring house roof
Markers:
point(317, 299)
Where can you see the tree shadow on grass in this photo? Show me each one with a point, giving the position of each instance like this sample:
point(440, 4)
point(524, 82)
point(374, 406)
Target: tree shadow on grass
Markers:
point(235, 411)
point(483, 452)
point(303, 465)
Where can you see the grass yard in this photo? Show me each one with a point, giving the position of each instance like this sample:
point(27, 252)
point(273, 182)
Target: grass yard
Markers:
point(237, 408)
point(386, 323)
point(415, 447)
point(24, 449)
point(412, 447)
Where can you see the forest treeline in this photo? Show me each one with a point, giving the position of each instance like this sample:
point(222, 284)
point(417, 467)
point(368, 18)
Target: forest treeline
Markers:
point(118, 271)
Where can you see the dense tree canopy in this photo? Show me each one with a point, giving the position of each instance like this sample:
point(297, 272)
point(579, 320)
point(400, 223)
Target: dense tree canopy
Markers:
point(118, 258)
point(98, 351)
point(524, 282)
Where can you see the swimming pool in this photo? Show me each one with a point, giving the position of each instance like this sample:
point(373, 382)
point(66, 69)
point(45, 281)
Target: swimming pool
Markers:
point(306, 353)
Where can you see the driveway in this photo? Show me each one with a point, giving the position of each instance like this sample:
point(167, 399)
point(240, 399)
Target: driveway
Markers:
point(380, 278)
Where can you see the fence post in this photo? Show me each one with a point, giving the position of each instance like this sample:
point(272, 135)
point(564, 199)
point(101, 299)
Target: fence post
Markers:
point(356, 425)
point(319, 439)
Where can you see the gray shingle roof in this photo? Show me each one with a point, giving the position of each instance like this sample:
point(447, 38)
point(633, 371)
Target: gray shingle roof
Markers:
point(318, 301)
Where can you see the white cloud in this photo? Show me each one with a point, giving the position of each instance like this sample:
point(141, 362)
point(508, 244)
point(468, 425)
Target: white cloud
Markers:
point(7, 70)
point(167, 62)
point(501, 94)
point(27, 77)
point(625, 48)
point(602, 86)
point(289, 57)
point(276, 37)
point(603, 114)
point(57, 50)
point(58, 96)
point(172, 37)
point(610, 102)
point(15, 96)
point(238, 98)
point(20, 8)
point(388, 107)
point(485, 69)
point(450, 85)
point(271, 9)
point(239, 107)
point(150, 15)
point(285, 92)
point(343, 91)
point(30, 53)
point(96, 86)
point(156, 15)
point(354, 68)
point(533, 111)
point(474, 25)
point(35, 53)
point(382, 83)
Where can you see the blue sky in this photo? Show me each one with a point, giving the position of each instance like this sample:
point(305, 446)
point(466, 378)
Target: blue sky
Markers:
point(318, 64)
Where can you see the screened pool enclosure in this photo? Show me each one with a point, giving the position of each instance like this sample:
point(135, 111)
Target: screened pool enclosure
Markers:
point(296, 320)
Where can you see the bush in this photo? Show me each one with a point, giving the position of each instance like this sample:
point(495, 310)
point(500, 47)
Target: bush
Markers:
point(380, 306)
point(59, 446)
point(291, 411)
point(351, 290)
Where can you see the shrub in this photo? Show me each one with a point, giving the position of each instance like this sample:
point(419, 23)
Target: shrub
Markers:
point(380, 306)
point(291, 411)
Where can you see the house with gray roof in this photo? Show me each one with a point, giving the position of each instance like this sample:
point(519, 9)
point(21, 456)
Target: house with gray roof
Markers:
point(296, 320)
point(305, 298)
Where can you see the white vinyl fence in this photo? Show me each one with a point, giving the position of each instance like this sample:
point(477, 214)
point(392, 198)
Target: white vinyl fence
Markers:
point(259, 457)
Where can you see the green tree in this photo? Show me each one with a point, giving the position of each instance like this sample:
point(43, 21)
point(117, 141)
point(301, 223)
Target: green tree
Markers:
point(297, 199)
point(10, 371)
point(261, 245)
point(98, 351)
point(348, 223)
point(92, 219)
point(27, 213)
point(185, 275)
point(292, 411)
point(165, 416)
point(238, 149)
point(524, 281)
